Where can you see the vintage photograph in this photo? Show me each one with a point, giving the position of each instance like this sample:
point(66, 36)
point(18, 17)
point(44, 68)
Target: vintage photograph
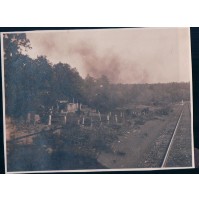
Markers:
point(97, 100)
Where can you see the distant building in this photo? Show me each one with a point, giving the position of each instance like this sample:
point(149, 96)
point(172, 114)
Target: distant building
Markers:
point(72, 107)
point(63, 106)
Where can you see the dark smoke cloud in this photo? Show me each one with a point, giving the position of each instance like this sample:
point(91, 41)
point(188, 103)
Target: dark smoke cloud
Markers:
point(123, 55)
point(109, 63)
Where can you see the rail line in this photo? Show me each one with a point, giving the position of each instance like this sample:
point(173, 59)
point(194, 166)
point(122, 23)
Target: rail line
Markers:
point(171, 141)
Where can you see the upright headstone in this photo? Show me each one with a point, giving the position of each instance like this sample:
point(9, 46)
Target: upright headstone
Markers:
point(36, 118)
point(83, 121)
point(65, 119)
point(78, 121)
point(108, 118)
point(116, 118)
point(28, 117)
point(49, 119)
point(100, 116)
point(91, 122)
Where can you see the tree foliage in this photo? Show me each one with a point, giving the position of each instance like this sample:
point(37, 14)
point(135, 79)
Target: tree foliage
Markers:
point(33, 84)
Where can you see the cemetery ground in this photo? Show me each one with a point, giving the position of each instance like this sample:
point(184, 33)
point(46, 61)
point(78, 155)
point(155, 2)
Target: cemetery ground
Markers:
point(130, 141)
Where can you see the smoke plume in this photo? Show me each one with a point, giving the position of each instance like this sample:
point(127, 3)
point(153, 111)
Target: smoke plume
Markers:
point(109, 63)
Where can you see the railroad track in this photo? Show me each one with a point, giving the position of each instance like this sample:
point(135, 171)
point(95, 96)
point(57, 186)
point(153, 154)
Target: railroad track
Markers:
point(164, 163)
point(180, 151)
point(161, 153)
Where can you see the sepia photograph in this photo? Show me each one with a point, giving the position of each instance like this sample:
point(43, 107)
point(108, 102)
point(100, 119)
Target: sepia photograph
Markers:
point(91, 100)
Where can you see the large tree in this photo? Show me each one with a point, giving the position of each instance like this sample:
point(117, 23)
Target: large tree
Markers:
point(14, 63)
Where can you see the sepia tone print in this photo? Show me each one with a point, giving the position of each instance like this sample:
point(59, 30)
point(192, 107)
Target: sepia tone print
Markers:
point(97, 100)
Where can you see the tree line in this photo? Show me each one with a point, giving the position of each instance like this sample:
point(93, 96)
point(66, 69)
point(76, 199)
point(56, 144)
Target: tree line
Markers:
point(36, 84)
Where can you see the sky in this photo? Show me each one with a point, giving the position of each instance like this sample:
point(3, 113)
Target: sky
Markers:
point(143, 55)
